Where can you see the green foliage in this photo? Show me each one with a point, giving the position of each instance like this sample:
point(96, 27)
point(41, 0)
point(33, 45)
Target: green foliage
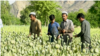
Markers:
point(95, 8)
point(95, 11)
point(42, 8)
point(16, 43)
point(45, 8)
point(93, 19)
point(10, 20)
point(58, 17)
point(5, 7)
point(6, 16)
point(25, 16)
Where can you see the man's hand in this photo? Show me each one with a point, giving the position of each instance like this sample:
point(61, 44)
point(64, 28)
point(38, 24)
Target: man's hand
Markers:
point(75, 36)
point(63, 30)
point(28, 36)
point(58, 36)
point(48, 33)
point(40, 34)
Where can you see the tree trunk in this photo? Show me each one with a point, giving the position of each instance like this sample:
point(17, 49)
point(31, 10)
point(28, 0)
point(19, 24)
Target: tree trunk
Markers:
point(45, 20)
point(48, 21)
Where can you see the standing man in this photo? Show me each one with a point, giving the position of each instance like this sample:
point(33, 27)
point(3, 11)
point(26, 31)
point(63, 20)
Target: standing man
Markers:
point(67, 28)
point(85, 30)
point(53, 28)
point(35, 26)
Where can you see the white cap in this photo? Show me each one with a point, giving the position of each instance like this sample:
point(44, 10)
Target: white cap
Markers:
point(65, 12)
point(32, 13)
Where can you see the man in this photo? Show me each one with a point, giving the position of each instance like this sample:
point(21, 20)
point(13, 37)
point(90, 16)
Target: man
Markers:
point(53, 28)
point(1, 25)
point(67, 28)
point(85, 30)
point(35, 26)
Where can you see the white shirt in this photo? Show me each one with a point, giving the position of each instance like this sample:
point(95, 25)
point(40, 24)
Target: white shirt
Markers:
point(1, 25)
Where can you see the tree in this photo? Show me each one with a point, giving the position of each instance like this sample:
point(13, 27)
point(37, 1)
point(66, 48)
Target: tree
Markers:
point(95, 10)
point(6, 16)
point(5, 7)
point(43, 9)
point(25, 16)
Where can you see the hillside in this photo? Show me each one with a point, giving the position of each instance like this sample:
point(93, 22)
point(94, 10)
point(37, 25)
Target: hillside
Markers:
point(69, 6)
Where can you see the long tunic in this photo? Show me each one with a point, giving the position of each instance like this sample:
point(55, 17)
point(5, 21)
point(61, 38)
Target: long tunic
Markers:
point(85, 32)
point(35, 27)
point(69, 28)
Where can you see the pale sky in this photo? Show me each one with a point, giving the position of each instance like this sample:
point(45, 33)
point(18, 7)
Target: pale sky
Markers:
point(11, 1)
